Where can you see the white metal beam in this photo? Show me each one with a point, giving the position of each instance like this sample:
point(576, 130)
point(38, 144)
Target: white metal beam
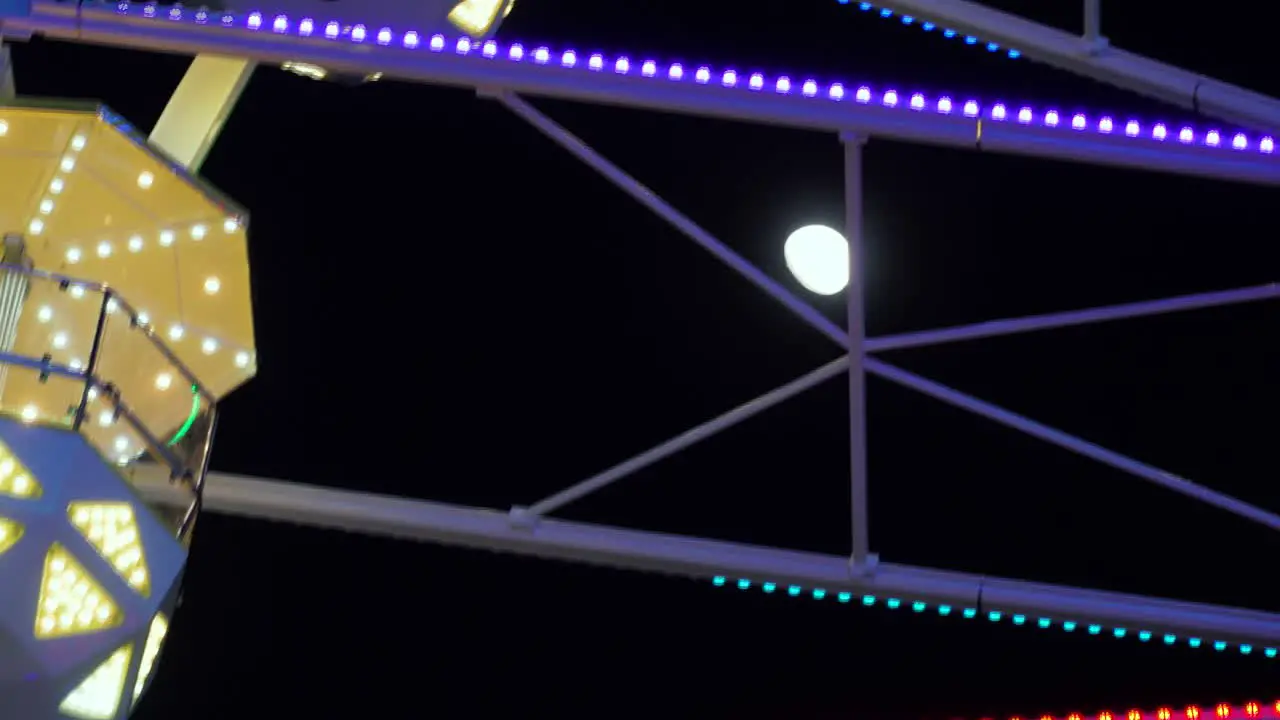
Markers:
point(1094, 58)
point(199, 107)
point(705, 559)
point(633, 82)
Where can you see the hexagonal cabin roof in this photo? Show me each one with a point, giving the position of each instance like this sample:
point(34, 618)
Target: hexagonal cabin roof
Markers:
point(95, 201)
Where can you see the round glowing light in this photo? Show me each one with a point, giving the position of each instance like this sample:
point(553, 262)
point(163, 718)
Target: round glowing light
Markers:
point(135, 243)
point(36, 226)
point(75, 364)
point(121, 444)
point(44, 314)
point(818, 257)
point(146, 180)
point(212, 285)
point(30, 412)
point(56, 185)
point(106, 417)
point(176, 332)
point(209, 346)
point(46, 206)
point(4, 128)
point(242, 359)
point(74, 255)
point(68, 164)
point(104, 249)
point(78, 142)
point(112, 306)
point(76, 291)
point(164, 381)
point(199, 231)
point(144, 318)
point(230, 225)
point(60, 340)
point(166, 238)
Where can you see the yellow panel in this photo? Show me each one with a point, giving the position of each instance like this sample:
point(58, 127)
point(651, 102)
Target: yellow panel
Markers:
point(98, 697)
point(112, 530)
point(10, 533)
point(71, 601)
point(15, 479)
point(107, 210)
point(150, 651)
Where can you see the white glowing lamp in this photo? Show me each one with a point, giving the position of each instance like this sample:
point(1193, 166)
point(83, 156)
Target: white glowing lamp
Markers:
point(818, 257)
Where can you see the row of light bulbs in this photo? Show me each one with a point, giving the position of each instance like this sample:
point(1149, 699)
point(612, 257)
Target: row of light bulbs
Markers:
point(60, 340)
point(136, 243)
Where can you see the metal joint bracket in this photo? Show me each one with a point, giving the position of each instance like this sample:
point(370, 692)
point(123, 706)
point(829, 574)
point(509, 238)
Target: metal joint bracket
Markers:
point(520, 518)
point(849, 137)
point(865, 569)
point(1095, 46)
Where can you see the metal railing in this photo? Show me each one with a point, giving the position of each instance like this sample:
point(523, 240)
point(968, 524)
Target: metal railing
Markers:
point(188, 469)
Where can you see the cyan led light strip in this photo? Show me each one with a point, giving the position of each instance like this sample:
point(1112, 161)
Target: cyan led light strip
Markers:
point(928, 26)
point(995, 615)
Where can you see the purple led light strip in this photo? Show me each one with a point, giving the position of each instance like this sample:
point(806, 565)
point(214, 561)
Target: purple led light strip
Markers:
point(703, 75)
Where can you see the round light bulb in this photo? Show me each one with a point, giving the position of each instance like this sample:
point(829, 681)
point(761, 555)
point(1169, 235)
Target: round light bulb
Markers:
point(166, 238)
point(46, 206)
point(74, 255)
point(76, 291)
point(818, 257)
point(44, 314)
point(104, 249)
point(77, 143)
point(242, 359)
point(212, 285)
point(30, 412)
point(209, 346)
point(135, 243)
point(230, 225)
point(106, 417)
point(144, 318)
point(164, 381)
point(60, 340)
point(199, 231)
point(122, 444)
point(36, 226)
point(145, 180)
point(176, 332)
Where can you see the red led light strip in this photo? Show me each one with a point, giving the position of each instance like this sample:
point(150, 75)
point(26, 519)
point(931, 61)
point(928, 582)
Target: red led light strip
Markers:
point(1222, 711)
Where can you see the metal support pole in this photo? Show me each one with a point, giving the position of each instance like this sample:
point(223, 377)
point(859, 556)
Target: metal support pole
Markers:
point(95, 352)
point(1071, 318)
point(1076, 445)
point(648, 198)
point(7, 88)
point(1093, 25)
point(676, 444)
point(861, 547)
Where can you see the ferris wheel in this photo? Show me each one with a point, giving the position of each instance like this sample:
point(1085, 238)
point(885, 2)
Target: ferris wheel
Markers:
point(113, 362)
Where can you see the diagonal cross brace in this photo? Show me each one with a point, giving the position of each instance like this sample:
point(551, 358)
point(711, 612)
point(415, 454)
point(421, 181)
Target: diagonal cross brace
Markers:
point(529, 515)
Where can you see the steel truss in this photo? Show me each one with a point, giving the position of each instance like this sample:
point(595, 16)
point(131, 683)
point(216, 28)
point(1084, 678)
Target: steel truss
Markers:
point(530, 530)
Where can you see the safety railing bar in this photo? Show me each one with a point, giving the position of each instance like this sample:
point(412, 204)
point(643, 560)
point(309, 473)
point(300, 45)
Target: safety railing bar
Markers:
point(176, 467)
point(197, 504)
point(132, 312)
point(40, 366)
point(149, 332)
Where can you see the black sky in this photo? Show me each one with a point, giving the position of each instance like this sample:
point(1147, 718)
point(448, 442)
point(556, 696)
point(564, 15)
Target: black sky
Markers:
point(450, 308)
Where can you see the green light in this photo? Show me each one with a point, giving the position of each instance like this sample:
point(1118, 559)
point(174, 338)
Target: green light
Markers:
point(819, 593)
point(918, 606)
point(1170, 639)
point(1219, 646)
point(994, 616)
point(1195, 642)
point(191, 417)
point(844, 597)
point(868, 600)
point(1246, 649)
point(1044, 622)
point(794, 590)
point(1269, 652)
point(893, 603)
point(1019, 619)
point(744, 584)
point(970, 613)
point(1119, 632)
point(1095, 629)
point(769, 587)
point(718, 580)
point(1144, 635)
point(944, 610)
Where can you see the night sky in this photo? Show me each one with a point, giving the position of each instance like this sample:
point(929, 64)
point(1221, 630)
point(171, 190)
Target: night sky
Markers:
point(451, 308)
